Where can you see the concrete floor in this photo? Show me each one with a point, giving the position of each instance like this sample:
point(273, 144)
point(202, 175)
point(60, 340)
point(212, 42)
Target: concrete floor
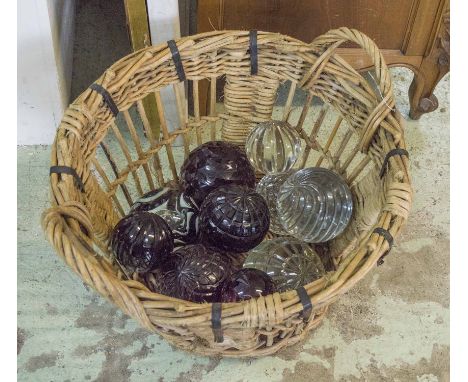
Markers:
point(394, 326)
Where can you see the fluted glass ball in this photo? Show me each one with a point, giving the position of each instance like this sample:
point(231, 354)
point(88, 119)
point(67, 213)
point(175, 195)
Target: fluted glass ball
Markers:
point(194, 273)
point(214, 164)
point(141, 241)
point(245, 284)
point(234, 218)
point(177, 209)
point(315, 205)
point(289, 262)
point(273, 146)
point(269, 187)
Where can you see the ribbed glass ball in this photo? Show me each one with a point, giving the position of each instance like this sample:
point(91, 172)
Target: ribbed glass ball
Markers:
point(269, 187)
point(176, 208)
point(234, 218)
point(214, 164)
point(290, 262)
point(194, 273)
point(315, 205)
point(273, 146)
point(141, 241)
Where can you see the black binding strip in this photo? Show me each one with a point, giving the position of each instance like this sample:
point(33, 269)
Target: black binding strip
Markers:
point(107, 98)
point(391, 153)
point(216, 322)
point(176, 58)
point(69, 171)
point(253, 52)
point(306, 303)
point(388, 237)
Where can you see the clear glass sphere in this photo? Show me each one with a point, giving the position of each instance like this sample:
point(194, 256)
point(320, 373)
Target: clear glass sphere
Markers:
point(269, 187)
point(290, 262)
point(314, 205)
point(273, 147)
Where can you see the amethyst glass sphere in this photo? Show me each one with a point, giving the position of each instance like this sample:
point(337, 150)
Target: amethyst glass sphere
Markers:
point(215, 164)
point(194, 273)
point(245, 284)
point(176, 208)
point(141, 241)
point(234, 218)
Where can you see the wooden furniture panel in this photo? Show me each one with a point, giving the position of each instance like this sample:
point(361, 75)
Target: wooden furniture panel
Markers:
point(317, 17)
point(140, 37)
point(411, 33)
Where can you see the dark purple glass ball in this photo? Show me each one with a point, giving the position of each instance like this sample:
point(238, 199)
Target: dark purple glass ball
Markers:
point(141, 241)
point(245, 284)
point(176, 208)
point(194, 273)
point(234, 218)
point(215, 164)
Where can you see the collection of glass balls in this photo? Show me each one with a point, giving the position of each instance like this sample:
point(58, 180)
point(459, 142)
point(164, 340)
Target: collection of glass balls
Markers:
point(313, 204)
point(184, 238)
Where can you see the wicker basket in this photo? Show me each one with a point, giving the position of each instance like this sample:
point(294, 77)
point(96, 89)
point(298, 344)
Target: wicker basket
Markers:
point(356, 132)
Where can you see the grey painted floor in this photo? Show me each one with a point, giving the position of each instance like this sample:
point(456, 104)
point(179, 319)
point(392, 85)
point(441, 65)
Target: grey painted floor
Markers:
point(394, 326)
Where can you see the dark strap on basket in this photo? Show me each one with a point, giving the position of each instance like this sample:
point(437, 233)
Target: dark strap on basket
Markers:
point(107, 98)
point(253, 52)
point(388, 237)
point(216, 309)
point(390, 154)
point(176, 58)
point(69, 171)
point(306, 303)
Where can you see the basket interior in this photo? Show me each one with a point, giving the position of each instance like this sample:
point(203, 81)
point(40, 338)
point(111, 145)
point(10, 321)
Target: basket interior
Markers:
point(345, 121)
point(124, 177)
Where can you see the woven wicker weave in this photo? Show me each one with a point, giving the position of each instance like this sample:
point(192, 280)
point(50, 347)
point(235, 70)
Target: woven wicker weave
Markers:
point(354, 130)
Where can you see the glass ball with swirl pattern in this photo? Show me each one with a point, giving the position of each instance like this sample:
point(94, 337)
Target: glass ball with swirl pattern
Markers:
point(176, 208)
point(315, 205)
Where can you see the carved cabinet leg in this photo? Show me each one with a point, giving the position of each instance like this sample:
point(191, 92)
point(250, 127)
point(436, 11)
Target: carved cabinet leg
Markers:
point(433, 67)
point(422, 99)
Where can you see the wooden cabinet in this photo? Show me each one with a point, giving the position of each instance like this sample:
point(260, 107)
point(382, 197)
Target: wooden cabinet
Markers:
point(414, 34)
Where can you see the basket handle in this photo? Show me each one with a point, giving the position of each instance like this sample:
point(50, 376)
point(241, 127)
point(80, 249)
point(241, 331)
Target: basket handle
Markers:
point(383, 113)
point(68, 228)
point(331, 41)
